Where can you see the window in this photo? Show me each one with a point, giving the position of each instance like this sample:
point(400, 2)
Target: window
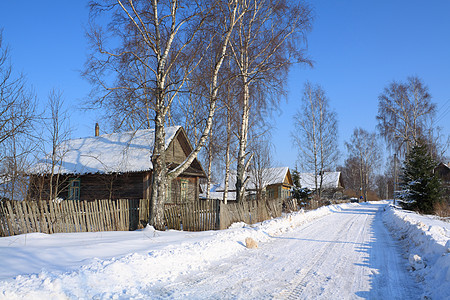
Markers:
point(270, 193)
point(184, 190)
point(74, 189)
point(285, 194)
point(169, 191)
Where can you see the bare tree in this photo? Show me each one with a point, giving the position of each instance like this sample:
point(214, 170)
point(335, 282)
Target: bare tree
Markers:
point(158, 53)
point(350, 174)
point(437, 141)
point(382, 185)
point(229, 101)
point(404, 110)
point(17, 102)
point(261, 167)
point(58, 130)
point(315, 134)
point(17, 115)
point(363, 147)
point(17, 153)
point(267, 40)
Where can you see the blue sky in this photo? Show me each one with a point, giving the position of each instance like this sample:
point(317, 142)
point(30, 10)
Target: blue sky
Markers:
point(358, 48)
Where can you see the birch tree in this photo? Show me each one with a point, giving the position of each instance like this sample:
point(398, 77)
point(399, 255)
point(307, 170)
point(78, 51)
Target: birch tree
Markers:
point(230, 119)
point(261, 166)
point(315, 134)
point(404, 110)
point(351, 175)
point(17, 101)
point(58, 130)
point(156, 56)
point(17, 116)
point(268, 39)
point(363, 146)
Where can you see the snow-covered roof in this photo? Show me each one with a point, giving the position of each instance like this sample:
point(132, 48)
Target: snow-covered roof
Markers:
point(109, 153)
point(269, 176)
point(330, 180)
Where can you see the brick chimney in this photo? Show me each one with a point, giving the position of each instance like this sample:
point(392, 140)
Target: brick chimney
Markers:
point(97, 129)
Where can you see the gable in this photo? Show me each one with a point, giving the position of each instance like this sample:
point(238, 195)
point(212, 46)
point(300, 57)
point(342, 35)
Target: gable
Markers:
point(288, 178)
point(443, 171)
point(178, 150)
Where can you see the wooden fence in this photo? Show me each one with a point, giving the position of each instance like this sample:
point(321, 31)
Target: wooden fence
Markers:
point(195, 216)
point(249, 212)
point(18, 217)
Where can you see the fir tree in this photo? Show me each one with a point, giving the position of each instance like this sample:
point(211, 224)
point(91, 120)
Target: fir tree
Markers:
point(420, 186)
point(299, 193)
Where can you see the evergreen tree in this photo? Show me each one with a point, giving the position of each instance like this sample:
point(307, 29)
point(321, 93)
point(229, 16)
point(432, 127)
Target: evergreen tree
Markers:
point(420, 186)
point(299, 193)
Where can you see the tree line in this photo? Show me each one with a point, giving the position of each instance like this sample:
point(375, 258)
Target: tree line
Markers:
point(405, 121)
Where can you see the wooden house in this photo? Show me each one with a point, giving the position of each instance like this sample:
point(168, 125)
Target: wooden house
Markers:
point(116, 166)
point(443, 172)
point(332, 183)
point(272, 183)
point(330, 180)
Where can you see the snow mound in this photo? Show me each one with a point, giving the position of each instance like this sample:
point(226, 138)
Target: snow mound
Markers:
point(416, 262)
point(427, 242)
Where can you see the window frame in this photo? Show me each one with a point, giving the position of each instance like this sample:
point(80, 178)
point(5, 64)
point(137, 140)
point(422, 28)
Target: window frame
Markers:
point(74, 191)
point(184, 188)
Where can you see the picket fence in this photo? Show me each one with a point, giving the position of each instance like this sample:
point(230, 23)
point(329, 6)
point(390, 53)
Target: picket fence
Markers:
point(194, 216)
point(19, 217)
point(249, 212)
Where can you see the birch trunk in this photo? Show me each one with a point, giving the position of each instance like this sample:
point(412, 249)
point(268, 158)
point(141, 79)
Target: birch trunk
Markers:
point(243, 134)
point(210, 158)
point(227, 156)
point(159, 176)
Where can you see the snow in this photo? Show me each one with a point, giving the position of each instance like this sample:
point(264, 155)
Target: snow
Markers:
point(426, 241)
point(339, 251)
point(109, 153)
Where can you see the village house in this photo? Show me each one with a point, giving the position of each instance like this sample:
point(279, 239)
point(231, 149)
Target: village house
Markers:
point(443, 172)
point(271, 183)
point(116, 166)
point(332, 183)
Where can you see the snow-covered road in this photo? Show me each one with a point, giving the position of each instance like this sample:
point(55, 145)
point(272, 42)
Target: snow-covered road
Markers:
point(348, 254)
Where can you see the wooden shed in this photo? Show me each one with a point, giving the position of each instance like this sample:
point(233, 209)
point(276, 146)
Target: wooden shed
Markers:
point(116, 166)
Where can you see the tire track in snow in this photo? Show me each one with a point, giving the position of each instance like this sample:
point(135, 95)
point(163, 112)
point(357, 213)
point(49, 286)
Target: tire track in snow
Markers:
point(297, 285)
point(359, 261)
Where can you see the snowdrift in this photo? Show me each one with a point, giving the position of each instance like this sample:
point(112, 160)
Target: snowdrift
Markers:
point(427, 244)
